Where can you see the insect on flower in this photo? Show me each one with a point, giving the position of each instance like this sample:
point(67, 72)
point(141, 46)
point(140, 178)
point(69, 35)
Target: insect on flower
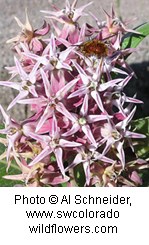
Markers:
point(94, 48)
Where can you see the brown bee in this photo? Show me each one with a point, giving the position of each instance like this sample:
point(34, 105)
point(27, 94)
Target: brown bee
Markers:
point(94, 48)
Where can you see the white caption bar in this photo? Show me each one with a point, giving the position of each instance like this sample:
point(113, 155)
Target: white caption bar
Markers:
point(74, 215)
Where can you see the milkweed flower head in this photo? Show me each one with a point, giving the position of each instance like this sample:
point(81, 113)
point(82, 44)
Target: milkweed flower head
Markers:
point(73, 81)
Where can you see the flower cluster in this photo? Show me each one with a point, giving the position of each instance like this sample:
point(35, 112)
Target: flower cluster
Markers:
point(72, 79)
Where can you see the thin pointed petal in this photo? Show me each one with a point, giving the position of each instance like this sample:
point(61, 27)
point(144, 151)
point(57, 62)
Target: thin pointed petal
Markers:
point(44, 30)
point(63, 91)
point(82, 33)
point(66, 143)
point(5, 116)
point(61, 108)
point(95, 118)
point(32, 75)
point(21, 72)
point(14, 177)
point(106, 159)
point(10, 84)
point(126, 121)
point(47, 113)
point(63, 41)
point(72, 131)
point(59, 157)
point(33, 91)
point(121, 153)
point(33, 101)
point(109, 84)
point(83, 7)
point(19, 22)
point(86, 167)
point(117, 70)
point(79, 68)
point(41, 156)
point(87, 131)
point(108, 146)
point(78, 92)
point(133, 100)
point(98, 100)
point(46, 83)
point(126, 80)
point(84, 108)
point(20, 96)
point(27, 22)
point(52, 46)
point(134, 135)
point(55, 131)
point(40, 138)
point(76, 161)
point(65, 53)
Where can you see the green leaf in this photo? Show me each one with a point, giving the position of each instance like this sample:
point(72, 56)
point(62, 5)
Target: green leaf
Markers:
point(141, 146)
point(12, 170)
point(132, 40)
point(63, 185)
point(79, 175)
point(145, 177)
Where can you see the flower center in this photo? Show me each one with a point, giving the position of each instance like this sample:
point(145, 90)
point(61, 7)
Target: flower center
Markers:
point(82, 121)
point(116, 135)
point(53, 61)
point(12, 131)
point(26, 84)
point(54, 143)
point(116, 95)
point(71, 15)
